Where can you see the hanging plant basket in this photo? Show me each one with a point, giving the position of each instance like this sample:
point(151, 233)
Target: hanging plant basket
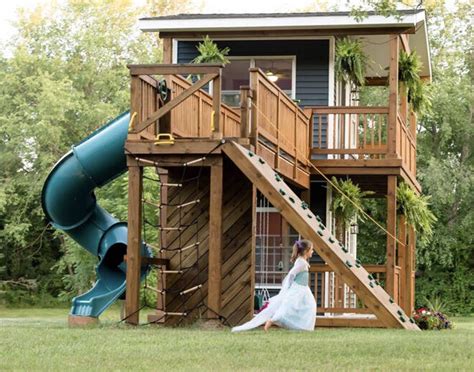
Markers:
point(350, 61)
point(416, 210)
point(409, 67)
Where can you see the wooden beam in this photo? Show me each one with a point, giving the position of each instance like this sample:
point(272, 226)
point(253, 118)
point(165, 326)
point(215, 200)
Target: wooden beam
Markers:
point(135, 190)
point(352, 322)
point(348, 110)
point(175, 69)
point(253, 248)
point(215, 242)
point(392, 229)
point(173, 161)
point(173, 103)
point(216, 105)
point(364, 163)
point(256, 34)
point(167, 50)
point(402, 261)
point(393, 96)
point(405, 42)
point(376, 81)
point(410, 268)
point(244, 111)
point(200, 146)
point(163, 236)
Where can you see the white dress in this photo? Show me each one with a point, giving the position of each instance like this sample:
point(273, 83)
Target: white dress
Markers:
point(294, 307)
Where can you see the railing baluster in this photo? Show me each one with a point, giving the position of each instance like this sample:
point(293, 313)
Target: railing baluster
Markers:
point(320, 137)
point(365, 130)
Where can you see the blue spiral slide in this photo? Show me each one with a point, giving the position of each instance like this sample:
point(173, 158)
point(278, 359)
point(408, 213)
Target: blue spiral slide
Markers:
point(69, 203)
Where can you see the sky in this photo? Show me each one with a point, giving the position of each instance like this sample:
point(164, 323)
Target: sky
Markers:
point(8, 9)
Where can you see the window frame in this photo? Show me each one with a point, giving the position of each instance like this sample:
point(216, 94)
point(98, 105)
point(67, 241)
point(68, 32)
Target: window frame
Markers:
point(252, 65)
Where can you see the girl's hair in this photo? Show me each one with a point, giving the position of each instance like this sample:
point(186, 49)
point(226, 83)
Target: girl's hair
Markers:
point(299, 248)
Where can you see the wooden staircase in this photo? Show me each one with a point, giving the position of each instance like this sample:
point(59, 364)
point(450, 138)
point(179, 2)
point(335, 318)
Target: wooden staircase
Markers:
point(309, 226)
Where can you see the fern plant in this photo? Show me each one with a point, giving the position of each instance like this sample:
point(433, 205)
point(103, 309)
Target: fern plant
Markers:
point(346, 205)
point(350, 61)
point(416, 210)
point(409, 67)
point(209, 52)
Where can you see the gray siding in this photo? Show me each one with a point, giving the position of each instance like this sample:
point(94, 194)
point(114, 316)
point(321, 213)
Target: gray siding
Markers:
point(312, 57)
point(312, 67)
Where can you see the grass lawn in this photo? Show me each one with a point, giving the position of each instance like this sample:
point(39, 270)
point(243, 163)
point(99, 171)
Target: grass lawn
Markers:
point(39, 339)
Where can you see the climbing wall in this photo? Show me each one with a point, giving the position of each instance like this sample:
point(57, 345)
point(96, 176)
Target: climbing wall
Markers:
point(237, 254)
point(309, 226)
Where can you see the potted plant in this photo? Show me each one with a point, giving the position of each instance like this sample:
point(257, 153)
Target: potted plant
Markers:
point(350, 61)
point(209, 52)
point(416, 211)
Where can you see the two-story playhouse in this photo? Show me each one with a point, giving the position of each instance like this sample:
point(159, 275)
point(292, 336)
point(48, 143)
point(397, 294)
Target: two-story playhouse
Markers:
point(262, 136)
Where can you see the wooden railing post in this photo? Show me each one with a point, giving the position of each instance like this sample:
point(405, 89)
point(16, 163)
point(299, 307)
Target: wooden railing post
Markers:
point(253, 110)
point(135, 103)
point(309, 135)
point(216, 104)
point(245, 93)
point(392, 137)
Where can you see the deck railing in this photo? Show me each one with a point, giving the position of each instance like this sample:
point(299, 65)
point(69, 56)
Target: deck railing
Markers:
point(350, 132)
point(188, 111)
point(278, 125)
point(363, 133)
point(194, 117)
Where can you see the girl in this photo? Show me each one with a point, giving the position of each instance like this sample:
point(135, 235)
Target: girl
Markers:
point(294, 307)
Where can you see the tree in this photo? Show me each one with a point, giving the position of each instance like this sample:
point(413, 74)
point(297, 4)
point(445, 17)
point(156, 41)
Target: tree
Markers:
point(65, 75)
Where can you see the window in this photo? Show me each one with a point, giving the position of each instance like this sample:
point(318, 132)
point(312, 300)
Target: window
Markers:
point(280, 70)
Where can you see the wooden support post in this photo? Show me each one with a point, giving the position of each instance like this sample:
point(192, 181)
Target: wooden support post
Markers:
point(161, 284)
point(402, 260)
point(216, 105)
point(411, 267)
point(134, 244)
point(391, 228)
point(253, 249)
point(215, 242)
point(244, 111)
point(167, 50)
point(393, 97)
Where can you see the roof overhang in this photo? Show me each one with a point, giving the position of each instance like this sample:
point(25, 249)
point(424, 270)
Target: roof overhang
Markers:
point(277, 21)
point(374, 29)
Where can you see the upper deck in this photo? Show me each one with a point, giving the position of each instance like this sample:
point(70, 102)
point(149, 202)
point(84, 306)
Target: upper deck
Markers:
point(296, 141)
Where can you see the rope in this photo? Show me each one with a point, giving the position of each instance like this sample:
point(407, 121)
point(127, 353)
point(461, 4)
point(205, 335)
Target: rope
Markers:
point(327, 179)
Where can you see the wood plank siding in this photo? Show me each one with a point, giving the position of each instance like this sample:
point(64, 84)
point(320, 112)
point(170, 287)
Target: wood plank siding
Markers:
point(237, 252)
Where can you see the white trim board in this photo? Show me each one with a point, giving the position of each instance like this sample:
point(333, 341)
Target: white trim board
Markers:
point(276, 23)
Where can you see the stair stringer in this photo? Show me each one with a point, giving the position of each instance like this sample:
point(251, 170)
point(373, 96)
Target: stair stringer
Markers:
point(304, 221)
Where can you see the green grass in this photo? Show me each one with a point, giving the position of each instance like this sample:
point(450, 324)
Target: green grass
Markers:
point(39, 339)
